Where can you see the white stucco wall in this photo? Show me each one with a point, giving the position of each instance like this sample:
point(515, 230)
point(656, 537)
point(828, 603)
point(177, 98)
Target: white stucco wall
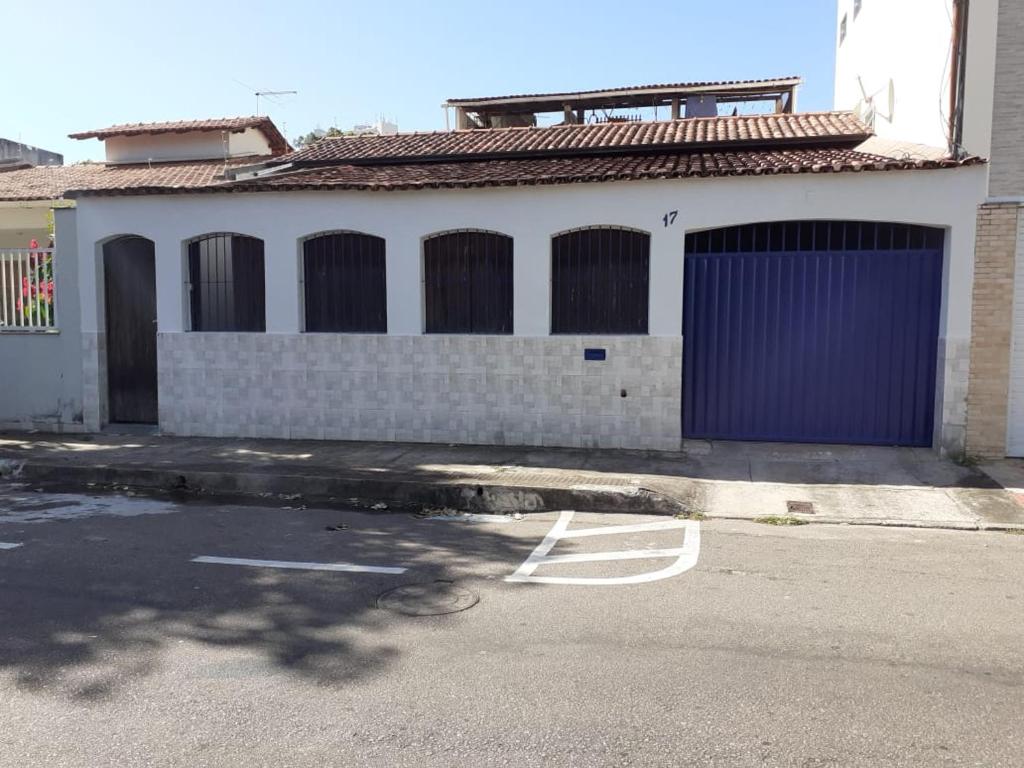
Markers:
point(909, 43)
point(251, 141)
point(531, 215)
point(196, 145)
point(979, 85)
point(20, 223)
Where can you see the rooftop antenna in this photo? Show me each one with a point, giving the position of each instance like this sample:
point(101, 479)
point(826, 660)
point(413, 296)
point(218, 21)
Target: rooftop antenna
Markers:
point(271, 94)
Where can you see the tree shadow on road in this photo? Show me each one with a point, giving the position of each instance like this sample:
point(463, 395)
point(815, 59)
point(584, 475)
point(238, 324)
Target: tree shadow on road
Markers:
point(90, 605)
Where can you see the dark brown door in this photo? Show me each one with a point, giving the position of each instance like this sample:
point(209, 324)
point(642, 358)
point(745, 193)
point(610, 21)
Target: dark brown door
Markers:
point(130, 280)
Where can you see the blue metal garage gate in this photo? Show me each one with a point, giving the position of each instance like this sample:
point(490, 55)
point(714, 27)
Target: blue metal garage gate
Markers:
point(812, 332)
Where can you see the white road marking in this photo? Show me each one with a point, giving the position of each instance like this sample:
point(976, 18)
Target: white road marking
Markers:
point(9, 545)
point(608, 530)
point(629, 554)
point(288, 564)
point(686, 555)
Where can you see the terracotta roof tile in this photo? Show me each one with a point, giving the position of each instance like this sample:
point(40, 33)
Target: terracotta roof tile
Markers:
point(835, 127)
point(53, 181)
point(725, 146)
point(522, 172)
point(233, 124)
point(538, 171)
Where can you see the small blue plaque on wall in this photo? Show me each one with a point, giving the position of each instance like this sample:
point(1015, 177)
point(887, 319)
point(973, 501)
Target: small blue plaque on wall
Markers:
point(594, 354)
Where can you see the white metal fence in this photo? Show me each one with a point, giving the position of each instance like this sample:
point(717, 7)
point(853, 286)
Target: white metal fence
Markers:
point(27, 289)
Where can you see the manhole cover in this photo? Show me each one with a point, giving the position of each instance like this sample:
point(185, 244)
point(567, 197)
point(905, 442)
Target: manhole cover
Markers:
point(432, 599)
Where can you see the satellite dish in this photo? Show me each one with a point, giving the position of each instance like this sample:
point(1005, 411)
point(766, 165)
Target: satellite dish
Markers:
point(866, 108)
point(863, 90)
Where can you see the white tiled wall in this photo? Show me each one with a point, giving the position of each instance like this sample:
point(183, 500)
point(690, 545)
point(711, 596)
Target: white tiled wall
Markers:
point(952, 375)
point(498, 390)
point(94, 380)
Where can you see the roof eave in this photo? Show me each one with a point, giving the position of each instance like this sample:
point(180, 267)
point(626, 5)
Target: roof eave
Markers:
point(677, 175)
point(755, 86)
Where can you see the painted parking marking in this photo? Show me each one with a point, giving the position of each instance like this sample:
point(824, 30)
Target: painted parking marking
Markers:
point(9, 545)
point(664, 525)
point(632, 554)
point(685, 556)
point(292, 565)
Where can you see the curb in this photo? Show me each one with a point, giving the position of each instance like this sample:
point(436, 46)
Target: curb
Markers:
point(363, 491)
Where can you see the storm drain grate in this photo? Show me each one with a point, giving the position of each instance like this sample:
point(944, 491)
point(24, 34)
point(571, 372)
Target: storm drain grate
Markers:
point(800, 507)
point(434, 599)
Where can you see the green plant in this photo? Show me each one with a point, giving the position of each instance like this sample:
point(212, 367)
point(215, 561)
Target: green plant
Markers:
point(691, 514)
point(965, 459)
point(780, 520)
point(36, 299)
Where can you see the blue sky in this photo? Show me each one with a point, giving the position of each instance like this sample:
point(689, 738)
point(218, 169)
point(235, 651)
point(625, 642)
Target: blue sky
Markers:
point(81, 65)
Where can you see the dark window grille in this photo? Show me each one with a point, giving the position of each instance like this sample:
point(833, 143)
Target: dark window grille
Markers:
point(468, 282)
point(227, 283)
point(600, 281)
point(345, 284)
point(816, 236)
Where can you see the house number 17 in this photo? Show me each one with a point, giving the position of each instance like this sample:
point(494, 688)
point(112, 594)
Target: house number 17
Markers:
point(670, 218)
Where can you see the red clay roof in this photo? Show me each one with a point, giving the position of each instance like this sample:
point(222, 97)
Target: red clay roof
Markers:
point(701, 84)
point(53, 181)
point(522, 172)
point(835, 128)
point(529, 172)
point(723, 146)
point(278, 143)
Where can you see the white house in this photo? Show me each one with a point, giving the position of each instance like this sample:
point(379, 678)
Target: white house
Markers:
point(40, 329)
point(622, 284)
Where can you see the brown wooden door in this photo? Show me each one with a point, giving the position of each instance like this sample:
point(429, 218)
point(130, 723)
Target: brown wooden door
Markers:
point(130, 283)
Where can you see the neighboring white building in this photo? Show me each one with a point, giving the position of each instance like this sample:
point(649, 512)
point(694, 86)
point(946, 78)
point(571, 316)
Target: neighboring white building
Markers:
point(895, 66)
point(381, 127)
point(956, 69)
point(16, 153)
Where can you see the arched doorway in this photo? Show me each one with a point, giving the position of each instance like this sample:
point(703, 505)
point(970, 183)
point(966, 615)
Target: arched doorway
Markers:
point(129, 280)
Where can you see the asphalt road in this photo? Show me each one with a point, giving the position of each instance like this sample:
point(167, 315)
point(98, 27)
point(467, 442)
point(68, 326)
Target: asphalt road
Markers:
point(813, 646)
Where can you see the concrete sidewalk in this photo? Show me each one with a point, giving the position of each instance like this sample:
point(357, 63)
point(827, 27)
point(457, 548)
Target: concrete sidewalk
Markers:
point(843, 484)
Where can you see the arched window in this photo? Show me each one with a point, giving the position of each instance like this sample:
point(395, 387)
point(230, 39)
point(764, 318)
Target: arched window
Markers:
point(345, 283)
point(468, 282)
point(600, 281)
point(226, 283)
